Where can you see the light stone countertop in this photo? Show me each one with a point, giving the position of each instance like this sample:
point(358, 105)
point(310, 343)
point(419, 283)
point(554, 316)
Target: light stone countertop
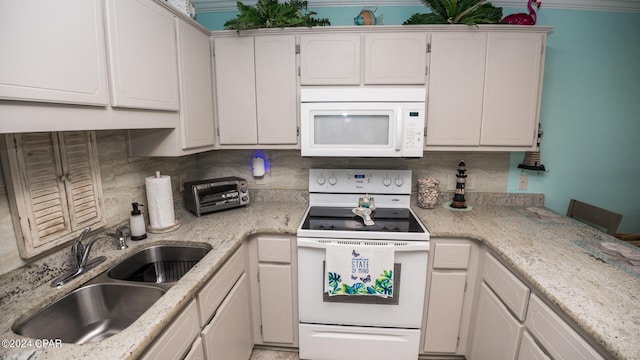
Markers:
point(600, 299)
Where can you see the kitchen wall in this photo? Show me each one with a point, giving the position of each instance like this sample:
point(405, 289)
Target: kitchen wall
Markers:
point(590, 111)
point(590, 114)
point(123, 177)
point(122, 184)
point(289, 171)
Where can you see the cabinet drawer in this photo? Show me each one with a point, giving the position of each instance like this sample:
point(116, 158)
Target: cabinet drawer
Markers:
point(509, 289)
point(174, 342)
point(451, 256)
point(212, 294)
point(274, 249)
point(557, 337)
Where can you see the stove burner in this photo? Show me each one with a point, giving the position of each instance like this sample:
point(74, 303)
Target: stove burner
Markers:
point(342, 219)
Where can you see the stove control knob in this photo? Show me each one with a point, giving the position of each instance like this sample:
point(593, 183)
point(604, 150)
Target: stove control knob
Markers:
point(321, 180)
point(333, 180)
point(399, 181)
point(386, 181)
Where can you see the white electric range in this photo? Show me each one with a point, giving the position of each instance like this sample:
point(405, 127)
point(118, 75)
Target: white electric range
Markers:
point(361, 209)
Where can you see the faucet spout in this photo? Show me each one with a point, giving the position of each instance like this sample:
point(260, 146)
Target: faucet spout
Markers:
point(78, 248)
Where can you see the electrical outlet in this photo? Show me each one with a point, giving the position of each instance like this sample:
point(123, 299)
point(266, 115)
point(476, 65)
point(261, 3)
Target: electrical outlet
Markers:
point(523, 181)
point(451, 182)
point(470, 182)
point(263, 180)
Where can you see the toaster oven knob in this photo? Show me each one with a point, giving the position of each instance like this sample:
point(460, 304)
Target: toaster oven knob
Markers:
point(399, 181)
point(333, 180)
point(245, 198)
point(321, 180)
point(243, 190)
point(386, 181)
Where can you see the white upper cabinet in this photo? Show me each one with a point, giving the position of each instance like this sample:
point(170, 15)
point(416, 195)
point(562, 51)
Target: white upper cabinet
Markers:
point(395, 58)
point(484, 90)
point(512, 89)
point(382, 58)
point(235, 90)
point(53, 51)
point(330, 59)
point(142, 55)
point(196, 88)
point(276, 89)
point(256, 90)
point(456, 83)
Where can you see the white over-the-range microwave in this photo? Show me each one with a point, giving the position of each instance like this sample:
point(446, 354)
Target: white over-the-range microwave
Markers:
point(362, 121)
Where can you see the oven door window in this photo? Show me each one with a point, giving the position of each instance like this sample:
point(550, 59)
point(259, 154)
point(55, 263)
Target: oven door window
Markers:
point(367, 299)
point(353, 129)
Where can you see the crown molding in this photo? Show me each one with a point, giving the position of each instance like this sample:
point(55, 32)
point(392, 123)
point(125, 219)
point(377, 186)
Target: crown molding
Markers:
point(203, 6)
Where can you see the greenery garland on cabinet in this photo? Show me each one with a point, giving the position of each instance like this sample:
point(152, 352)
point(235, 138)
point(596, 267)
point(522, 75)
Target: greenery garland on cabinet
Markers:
point(469, 12)
point(271, 14)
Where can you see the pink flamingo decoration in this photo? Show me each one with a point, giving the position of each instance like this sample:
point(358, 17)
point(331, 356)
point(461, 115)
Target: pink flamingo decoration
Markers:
point(522, 18)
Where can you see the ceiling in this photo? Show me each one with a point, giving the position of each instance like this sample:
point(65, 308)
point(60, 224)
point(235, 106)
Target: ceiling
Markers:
point(604, 5)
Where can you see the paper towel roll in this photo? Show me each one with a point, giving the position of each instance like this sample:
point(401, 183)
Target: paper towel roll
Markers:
point(160, 201)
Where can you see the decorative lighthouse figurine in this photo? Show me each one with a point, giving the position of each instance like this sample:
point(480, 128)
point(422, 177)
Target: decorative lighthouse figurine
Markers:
point(458, 199)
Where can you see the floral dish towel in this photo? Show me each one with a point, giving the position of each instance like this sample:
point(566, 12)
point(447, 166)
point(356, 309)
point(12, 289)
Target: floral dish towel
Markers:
point(359, 270)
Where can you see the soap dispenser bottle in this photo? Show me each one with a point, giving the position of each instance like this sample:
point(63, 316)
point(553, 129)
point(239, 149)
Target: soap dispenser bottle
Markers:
point(136, 223)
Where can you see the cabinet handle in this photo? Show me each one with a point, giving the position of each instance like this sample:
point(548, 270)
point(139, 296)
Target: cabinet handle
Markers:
point(65, 177)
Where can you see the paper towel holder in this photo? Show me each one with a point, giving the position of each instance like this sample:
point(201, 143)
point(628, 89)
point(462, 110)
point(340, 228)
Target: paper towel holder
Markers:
point(167, 188)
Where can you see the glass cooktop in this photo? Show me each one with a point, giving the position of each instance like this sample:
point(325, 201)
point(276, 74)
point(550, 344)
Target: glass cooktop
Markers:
point(341, 218)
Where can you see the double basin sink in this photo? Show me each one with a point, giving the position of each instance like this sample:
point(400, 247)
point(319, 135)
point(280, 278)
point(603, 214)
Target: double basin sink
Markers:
point(114, 299)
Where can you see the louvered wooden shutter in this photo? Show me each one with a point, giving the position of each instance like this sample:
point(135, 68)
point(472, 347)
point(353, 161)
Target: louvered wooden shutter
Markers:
point(54, 188)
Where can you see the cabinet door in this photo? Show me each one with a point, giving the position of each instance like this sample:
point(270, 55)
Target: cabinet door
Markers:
point(330, 59)
point(557, 337)
point(177, 338)
point(529, 350)
point(276, 89)
point(276, 303)
point(235, 90)
point(142, 55)
point(456, 80)
point(53, 51)
point(497, 333)
point(54, 188)
point(228, 336)
point(446, 296)
point(512, 89)
point(395, 58)
point(196, 88)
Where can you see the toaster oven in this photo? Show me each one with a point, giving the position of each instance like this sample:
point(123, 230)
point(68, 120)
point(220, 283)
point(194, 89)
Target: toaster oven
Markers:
point(206, 196)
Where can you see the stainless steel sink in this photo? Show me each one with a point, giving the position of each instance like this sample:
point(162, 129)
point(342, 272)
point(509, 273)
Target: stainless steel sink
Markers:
point(161, 264)
point(90, 313)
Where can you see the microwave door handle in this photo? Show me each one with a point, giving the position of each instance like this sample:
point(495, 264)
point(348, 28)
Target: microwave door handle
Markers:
point(398, 130)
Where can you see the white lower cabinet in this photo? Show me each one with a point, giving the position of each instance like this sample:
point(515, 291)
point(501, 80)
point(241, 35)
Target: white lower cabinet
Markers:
point(273, 282)
point(511, 323)
point(555, 335)
point(216, 324)
point(228, 335)
point(497, 333)
point(529, 350)
point(176, 340)
point(450, 296)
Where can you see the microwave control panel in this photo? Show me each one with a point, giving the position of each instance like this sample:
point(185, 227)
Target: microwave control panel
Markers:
point(413, 136)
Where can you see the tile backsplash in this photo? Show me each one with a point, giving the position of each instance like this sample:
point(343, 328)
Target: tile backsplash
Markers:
point(123, 177)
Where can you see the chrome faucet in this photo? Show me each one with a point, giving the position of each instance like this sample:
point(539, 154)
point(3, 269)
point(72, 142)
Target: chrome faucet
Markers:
point(81, 252)
point(121, 236)
point(78, 250)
